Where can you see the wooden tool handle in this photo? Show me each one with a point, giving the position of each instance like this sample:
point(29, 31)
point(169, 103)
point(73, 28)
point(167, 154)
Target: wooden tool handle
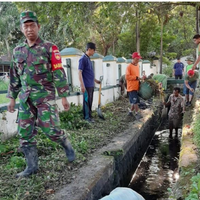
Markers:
point(99, 101)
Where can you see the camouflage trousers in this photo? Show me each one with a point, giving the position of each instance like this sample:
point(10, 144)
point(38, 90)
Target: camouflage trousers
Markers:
point(44, 116)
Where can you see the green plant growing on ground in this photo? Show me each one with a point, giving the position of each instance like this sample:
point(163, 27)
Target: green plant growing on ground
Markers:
point(73, 119)
point(168, 70)
point(196, 130)
point(194, 193)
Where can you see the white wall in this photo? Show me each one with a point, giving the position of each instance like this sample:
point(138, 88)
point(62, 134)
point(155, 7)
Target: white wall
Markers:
point(74, 68)
point(123, 69)
point(147, 68)
point(157, 66)
point(110, 73)
point(98, 69)
point(110, 76)
point(8, 125)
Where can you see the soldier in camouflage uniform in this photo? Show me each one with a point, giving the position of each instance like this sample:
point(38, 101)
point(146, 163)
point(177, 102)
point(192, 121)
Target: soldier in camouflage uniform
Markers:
point(177, 107)
point(35, 74)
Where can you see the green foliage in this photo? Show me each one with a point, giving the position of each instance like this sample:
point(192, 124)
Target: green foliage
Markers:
point(9, 27)
point(166, 60)
point(82, 146)
point(168, 71)
point(182, 27)
point(73, 119)
point(171, 55)
point(15, 162)
point(126, 42)
point(196, 129)
point(194, 193)
point(111, 25)
point(4, 148)
point(116, 154)
point(10, 145)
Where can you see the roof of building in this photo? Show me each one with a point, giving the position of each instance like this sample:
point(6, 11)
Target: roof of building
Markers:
point(121, 60)
point(109, 58)
point(96, 55)
point(71, 51)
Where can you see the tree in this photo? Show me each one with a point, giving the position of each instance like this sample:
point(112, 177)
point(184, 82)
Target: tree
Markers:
point(112, 26)
point(9, 28)
point(162, 10)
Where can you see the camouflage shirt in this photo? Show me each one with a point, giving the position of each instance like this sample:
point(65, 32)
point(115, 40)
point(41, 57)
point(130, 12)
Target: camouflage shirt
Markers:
point(177, 104)
point(36, 72)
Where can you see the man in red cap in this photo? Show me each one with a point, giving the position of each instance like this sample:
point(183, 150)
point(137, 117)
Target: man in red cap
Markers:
point(133, 80)
point(190, 84)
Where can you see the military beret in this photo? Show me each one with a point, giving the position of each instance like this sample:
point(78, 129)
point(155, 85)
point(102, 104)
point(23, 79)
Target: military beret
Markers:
point(28, 16)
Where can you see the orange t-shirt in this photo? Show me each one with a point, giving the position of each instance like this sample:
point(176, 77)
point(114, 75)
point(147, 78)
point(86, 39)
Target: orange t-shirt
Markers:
point(132, 72)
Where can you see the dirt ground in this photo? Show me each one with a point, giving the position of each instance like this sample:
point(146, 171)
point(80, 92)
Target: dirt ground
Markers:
point(116, 121)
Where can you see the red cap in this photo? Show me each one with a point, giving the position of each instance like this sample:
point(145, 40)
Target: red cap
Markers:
point(136, 55)
point(191, 72)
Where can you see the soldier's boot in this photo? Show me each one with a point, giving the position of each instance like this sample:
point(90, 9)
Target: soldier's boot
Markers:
point(68, 149)
point(31, 156)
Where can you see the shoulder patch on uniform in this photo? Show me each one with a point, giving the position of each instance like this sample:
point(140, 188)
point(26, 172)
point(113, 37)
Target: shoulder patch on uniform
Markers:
point(56, 58)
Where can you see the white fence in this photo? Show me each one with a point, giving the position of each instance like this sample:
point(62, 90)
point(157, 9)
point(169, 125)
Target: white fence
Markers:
point(8, 125)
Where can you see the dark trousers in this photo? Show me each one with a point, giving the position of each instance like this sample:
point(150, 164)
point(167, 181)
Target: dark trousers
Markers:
point(87, 102)
point(178, 76)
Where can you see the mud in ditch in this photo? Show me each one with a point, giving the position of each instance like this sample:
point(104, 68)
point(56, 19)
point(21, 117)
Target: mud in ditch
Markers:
point(158, 169)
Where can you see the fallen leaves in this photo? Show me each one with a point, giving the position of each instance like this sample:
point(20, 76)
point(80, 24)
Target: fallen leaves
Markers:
point(50, 191)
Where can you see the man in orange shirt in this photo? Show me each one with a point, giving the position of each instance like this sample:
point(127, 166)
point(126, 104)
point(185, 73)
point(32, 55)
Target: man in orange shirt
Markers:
point(133, 83)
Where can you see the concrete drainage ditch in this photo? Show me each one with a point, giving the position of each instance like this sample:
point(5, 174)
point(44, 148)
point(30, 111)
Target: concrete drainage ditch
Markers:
point(112, 165)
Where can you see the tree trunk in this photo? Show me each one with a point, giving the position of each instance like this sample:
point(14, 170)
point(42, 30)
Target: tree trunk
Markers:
point(137, 32)
point(105, 50)
point(113, 47)
point(161, 44)
point(7, 47)
point(197, 20)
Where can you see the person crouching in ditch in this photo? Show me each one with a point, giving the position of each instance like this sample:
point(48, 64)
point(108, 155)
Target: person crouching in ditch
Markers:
point(177, 108)
point(36, 73)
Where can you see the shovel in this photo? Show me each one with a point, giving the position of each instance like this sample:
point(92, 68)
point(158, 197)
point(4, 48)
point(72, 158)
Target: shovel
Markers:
point(99, 102)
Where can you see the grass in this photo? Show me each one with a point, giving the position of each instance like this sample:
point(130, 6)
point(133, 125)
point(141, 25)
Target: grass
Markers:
point(190, 177)
point(197, 130)
point(3, 99)
point(3, 86)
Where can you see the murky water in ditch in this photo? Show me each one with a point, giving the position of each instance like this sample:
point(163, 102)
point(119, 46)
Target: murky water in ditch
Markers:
point(158, 168)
